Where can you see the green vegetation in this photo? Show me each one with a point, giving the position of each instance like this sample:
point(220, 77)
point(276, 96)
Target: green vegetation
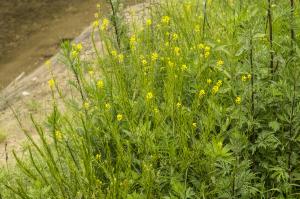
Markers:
point(202, 101)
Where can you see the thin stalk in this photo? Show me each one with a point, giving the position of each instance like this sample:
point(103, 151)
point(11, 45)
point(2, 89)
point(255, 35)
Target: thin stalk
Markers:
point(252, 86)
point(270, 20)
point(115, 22)
point(290, 149)
point(292, 28)
point(204, 18)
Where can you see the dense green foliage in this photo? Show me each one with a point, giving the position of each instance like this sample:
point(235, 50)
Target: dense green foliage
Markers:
point(201, 101)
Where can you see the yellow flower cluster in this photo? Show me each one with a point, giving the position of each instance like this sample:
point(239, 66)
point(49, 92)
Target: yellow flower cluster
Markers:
point(107, 106)
point(175, 36)
point(132, 41)
point(177, 51)
point(149, 96)
point(154, 56)
point(220, 63)
point(58, 135)
point(76, 50)
point(100, 84)
point(201, 93)
point(184, 67)
point(105, 24)
point(119, 117)
point(148, 22)
point(208, 81)
point(51, 83)
point(246, 77)
point(238, 100)
point(216, 87)
point(165, 20)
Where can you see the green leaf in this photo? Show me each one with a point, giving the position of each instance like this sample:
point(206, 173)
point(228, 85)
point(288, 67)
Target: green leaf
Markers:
point(274, 125)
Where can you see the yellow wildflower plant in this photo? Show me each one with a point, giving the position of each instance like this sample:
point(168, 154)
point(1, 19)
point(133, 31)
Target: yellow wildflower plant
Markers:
point(154, 56)
point(144, 62)
point(149, 96)
point(96, 24)
point(177, 51)
point(58, 135)
point(220, 63)
point(175, 36)
point(194, 124)
point(51, 83)
point(208, 81)
point(215, 89)
point(121, 58)
point(105, 24)
point(238, 100)
point(148, 22)
point(184, 67)
point(165, 20)
point(201, 93)
point(119, 117)
point(100, 84)
point(107, 106)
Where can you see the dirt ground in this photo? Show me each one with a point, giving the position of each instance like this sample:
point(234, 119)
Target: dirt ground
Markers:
point(31, 31)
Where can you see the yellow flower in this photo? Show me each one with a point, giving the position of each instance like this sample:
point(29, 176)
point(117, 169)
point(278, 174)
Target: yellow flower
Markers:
point(206, 54)
point(197, 28)
point(219, 83)
point(215, 89)
point(238, 100)
point(207, 48)
point(171, 64)
point(201, 46)
point(121, 58)
point(91, 72)
point(208, 81)
point(132, 40)
point(201, 93)
point(104, 24)
point(184, 67)
point(51, 83)
point(194, 124)
point(79, 47)
point(100, 84)
point(149, 96)
point(220, 63)
point(96, 24)
point(249, 76)
point(165, 20)
point(155, 110)
point(154, 56)
point(86, 105)
point(48, 63)
point(177, 51)
point(167, 44)
point(148, 22)
point(244, 78)
point(58, 135)
point(144, 62)
point(98, 157)
point(178, 105)
point(114, 53)
point(98, 5)
point(119, 117)
point(175, 36)
point(107, 106)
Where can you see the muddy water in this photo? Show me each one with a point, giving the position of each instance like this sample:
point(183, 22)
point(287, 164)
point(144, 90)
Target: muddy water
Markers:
point(31, 31)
